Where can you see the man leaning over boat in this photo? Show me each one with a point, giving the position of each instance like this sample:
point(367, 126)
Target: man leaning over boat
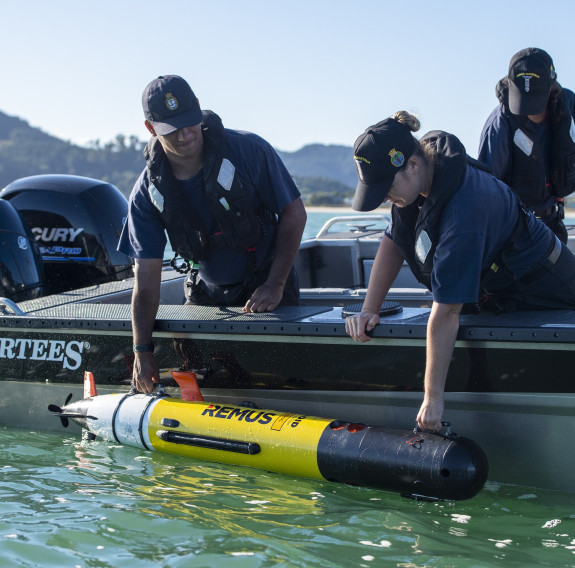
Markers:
point(465, 235)
point(229, 207)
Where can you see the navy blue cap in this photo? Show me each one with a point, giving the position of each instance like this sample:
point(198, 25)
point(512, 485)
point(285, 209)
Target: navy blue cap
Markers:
point(531, 76)
point(170, 104)
point(379, 153)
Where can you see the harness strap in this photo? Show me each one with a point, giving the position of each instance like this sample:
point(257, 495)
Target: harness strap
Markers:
point(499, 263)
point(250, 276)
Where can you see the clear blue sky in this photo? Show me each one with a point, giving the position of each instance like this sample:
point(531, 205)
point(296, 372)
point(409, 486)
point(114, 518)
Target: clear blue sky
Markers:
point(294, 71)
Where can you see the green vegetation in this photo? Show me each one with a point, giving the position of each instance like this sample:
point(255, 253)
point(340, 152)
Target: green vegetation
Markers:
point(27, 151)
point(324, 191)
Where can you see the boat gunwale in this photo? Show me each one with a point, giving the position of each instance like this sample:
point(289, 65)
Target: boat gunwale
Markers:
point(323, 323)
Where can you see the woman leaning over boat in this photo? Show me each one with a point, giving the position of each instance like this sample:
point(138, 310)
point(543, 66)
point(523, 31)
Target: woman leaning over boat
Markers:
point(464, 234)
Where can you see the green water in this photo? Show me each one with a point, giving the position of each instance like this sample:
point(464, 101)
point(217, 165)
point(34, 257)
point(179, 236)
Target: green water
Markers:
point(64, 503)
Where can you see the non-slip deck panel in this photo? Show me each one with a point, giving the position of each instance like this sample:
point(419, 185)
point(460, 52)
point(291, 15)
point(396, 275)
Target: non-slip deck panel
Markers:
point(112, 317)
point(88, 294)
point(218, 313)
point(110, 312)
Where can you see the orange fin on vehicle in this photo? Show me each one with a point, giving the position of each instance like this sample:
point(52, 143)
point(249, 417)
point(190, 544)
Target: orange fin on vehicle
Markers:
point(89, 385)
point(188, 385)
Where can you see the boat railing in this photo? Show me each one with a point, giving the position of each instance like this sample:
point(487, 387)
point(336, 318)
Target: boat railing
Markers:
point(6, 304)
point(359, 223)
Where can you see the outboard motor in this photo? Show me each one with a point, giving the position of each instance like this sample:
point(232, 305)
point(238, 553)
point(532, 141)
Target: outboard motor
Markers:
point(76, 222)
point(20, 262)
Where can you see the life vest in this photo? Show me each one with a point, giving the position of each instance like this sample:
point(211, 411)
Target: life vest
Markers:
point(231, 202)
point(415, 228)
point(526, 173)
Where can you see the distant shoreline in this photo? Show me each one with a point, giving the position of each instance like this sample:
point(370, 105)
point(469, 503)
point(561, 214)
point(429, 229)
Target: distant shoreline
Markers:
point(347, 210)
point(329, 209)
point(344, 210)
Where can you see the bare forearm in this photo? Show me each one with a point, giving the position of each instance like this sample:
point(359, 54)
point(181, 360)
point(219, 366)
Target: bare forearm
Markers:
point(442, 331)
point(386, 266)
point(385, 269)
point(288, 239)
point(145, 300)
point(144, 310)
point(292, 222)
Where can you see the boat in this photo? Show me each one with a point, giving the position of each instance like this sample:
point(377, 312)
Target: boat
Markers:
point(509, 387)
point(334, 267)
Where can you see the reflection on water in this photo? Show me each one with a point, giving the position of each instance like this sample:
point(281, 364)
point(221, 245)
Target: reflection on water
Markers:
point(67, 503)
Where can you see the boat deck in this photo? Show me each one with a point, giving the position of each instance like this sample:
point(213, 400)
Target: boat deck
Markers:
point(76, 311)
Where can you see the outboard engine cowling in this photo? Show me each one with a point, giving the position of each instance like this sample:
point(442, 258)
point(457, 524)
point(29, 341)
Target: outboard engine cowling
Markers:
point(20, 263)
point(77, 222)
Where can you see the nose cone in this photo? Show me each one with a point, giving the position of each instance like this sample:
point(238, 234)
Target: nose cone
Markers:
point(463, 471)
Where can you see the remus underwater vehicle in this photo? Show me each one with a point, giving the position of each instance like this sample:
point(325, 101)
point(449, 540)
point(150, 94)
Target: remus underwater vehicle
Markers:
point(413, 463)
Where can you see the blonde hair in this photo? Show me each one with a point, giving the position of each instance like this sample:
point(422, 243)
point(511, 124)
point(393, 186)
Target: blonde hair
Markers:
point(411, 121)
point(426, 149)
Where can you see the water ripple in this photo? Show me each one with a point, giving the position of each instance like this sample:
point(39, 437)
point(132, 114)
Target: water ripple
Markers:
point(68, 504)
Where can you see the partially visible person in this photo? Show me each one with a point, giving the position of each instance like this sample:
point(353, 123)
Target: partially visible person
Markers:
point(465, 235)
point(230, 208)
point(528, 141)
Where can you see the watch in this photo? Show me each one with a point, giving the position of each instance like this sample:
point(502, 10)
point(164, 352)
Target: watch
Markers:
point(149, 347)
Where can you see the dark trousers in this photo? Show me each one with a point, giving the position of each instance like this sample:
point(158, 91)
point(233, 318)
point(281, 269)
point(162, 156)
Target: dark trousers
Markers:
point(556, 224)
point(554, 287)
point(204, 294)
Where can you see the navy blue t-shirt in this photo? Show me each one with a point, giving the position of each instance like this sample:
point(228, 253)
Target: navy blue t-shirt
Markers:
point(258, 166)
point(476, 224)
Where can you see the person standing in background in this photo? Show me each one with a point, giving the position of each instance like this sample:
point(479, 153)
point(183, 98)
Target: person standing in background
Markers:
point(528, 141)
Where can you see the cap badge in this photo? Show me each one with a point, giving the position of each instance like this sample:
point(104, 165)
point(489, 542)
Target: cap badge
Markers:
point(171, 102)
point(397, 158)
point(527, 78)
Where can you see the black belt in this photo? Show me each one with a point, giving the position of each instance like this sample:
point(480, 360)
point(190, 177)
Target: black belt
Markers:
point(495, 300)
point(544, 213)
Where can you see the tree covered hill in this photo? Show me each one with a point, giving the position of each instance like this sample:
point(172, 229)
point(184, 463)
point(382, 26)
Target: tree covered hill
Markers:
point(324, 174)
point(327, 162)
point(27, 151)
